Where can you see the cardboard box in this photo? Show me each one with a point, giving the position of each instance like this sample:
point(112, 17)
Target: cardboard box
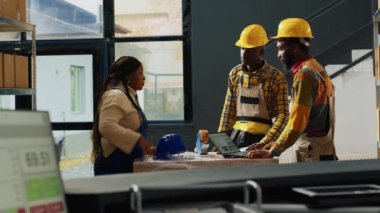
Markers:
point(21, 72)
point(377, 69)
point(13, 9)
point(1, 71)
point(21, 10)
point(9, 70)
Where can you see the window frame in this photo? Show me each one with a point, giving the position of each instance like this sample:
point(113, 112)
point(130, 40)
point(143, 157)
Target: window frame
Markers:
point(103, 52)
point(185, 38)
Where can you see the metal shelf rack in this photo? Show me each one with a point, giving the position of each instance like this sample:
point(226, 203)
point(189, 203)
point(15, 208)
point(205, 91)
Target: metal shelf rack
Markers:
point(10, 25)
point(376, 59)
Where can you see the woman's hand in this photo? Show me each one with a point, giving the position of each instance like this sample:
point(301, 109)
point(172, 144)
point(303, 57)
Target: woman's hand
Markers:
point(143, 143)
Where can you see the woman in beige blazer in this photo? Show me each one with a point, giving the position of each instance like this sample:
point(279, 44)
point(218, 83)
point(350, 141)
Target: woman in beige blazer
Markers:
point(119, 133)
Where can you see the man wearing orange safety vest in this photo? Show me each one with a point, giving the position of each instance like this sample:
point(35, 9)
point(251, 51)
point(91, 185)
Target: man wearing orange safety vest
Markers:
point(311, 123)
point(256, 103)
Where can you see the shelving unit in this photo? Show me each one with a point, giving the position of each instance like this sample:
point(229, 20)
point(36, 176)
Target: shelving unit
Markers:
point(376, 21)
point(10, 25)
point(376, 50)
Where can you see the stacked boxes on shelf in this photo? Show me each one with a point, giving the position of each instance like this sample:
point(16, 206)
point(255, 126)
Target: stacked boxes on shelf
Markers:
point(14, 71)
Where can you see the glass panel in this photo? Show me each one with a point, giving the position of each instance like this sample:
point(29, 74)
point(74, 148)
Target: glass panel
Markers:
point(77, 88)
point(7, 102)
point(54, 84)
point(163, 96)
point(10, 36)
point(75, 149)
point(148, 17)
point(66, 18)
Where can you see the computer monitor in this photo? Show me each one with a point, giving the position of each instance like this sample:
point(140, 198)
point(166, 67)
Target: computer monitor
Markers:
point(30, 180)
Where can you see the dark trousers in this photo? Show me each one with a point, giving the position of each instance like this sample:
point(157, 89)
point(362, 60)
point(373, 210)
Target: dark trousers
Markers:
point(116, 162)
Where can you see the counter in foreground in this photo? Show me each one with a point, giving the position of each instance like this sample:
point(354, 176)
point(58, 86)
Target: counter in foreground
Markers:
point(112, 192)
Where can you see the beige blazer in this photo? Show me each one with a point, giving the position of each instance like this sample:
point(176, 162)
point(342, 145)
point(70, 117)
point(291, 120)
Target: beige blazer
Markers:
point(118, 121)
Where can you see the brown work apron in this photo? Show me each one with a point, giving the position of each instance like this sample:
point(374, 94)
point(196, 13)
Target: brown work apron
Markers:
point(252, 116)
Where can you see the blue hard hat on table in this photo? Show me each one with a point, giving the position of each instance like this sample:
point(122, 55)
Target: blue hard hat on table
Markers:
point(169, 145)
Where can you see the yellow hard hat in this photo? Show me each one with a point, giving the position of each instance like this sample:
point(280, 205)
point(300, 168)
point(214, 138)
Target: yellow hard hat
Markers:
point(293, 28)
point(252, 36)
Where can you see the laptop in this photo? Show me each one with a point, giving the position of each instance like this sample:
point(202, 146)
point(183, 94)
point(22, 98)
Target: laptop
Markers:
point(30, 180)
point(226, 146)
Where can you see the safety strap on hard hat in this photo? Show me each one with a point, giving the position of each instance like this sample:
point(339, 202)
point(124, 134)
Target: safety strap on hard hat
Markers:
point(304, 42)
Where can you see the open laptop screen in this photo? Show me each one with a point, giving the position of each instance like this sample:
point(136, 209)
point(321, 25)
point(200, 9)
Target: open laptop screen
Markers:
point(30, 179)
point(223, 142)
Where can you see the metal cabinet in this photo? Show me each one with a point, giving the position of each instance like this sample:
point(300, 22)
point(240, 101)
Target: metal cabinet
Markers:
point(21, 45)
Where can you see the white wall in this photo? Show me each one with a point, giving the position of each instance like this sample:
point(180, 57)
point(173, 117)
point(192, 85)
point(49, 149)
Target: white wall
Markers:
point(355, 93)
point(53, 84)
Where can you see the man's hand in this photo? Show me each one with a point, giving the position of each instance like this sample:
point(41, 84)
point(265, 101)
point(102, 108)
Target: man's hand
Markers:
point(259, 154)
point(262, 152)
point(268, 145)
point(256, 146)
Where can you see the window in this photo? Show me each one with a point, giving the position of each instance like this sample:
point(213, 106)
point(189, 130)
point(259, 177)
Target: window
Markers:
point(66, 19)
point(7, 102)
point(148, 17)
point(162, 97)
point(77, 89)
point(74, 153)
point(151, 30)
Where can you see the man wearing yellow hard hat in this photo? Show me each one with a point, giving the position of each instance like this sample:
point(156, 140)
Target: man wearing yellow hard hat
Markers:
point(311, 123)
point(256, 103)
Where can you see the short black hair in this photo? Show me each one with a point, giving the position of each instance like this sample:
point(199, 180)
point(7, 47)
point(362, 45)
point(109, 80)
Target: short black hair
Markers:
point(298, 42)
